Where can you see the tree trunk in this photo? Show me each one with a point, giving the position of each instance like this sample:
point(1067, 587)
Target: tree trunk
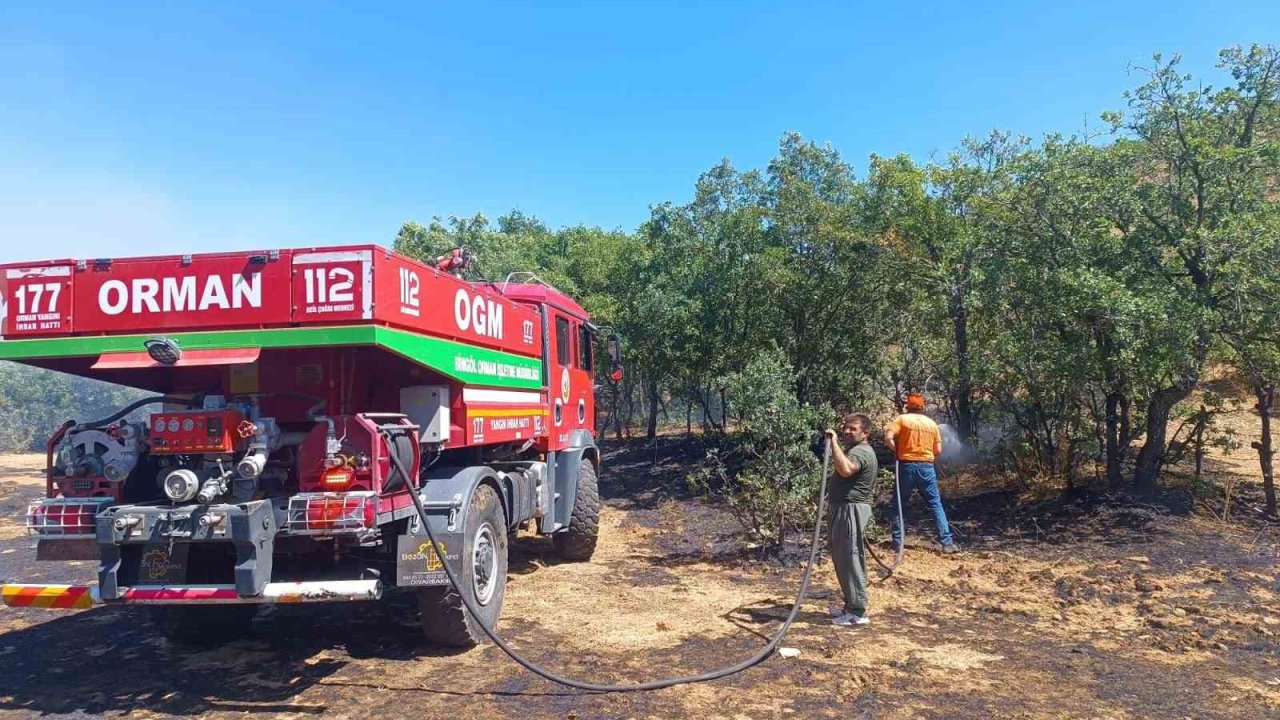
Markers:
point(631, 409)
point(617, 412)
point(708, 420)
point(1117, 407)
point(651, 389)
point(1147, 468)
point(1050, 450)
point(1126, 425)
point(961, 394)
point(1202, 421)
point(1266, 392)
point(1115, 458)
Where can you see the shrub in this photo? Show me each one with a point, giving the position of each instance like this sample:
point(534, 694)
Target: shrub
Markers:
point(764, 468)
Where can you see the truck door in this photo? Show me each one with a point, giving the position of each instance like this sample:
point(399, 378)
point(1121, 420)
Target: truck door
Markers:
point(582, 378)
point(572, 399)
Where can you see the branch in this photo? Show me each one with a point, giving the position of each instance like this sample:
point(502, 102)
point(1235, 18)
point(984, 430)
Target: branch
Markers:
point(1246, 135)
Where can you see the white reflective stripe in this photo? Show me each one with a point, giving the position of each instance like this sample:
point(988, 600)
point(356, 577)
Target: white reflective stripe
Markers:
point(513, 397)
point(282, 592)
point(323, 590)
point(53, 271)
point(332, 256)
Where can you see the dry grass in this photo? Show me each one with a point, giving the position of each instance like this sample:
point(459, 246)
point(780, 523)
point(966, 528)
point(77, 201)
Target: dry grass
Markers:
point(1099, 613)
point(22, 469)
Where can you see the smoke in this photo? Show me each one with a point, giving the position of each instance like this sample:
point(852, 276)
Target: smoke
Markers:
point(954, 450)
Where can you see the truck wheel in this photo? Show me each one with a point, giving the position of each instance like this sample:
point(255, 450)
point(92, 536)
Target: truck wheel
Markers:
point(203, 625)
point(445, 619)
point(577, 543)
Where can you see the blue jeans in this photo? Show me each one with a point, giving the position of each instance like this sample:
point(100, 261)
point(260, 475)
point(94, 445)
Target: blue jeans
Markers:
point(921, 476)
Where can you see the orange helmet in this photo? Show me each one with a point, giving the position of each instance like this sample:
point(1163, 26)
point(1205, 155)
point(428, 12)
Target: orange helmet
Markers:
point(915, 401)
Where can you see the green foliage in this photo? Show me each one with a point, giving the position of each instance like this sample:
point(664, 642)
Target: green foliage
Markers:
point(1057, 298)
point(765, 469)
point(1199, 430)
point(580, 260)
point(35, 402)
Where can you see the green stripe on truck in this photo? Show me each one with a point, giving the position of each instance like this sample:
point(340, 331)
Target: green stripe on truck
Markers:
point(467, 363)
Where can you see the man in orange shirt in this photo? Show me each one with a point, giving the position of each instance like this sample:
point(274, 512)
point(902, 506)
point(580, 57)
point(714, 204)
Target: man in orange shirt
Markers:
point(917, 443)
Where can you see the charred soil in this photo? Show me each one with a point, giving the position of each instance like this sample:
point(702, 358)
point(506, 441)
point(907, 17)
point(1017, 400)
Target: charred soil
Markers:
point(1084, 609)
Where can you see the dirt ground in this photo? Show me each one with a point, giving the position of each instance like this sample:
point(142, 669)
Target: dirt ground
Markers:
point(1053, 611)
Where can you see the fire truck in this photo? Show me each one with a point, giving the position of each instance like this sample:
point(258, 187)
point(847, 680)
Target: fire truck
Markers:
point(296, 399)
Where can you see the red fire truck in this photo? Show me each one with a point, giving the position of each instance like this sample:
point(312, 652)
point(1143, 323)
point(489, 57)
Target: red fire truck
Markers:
point(291, 388)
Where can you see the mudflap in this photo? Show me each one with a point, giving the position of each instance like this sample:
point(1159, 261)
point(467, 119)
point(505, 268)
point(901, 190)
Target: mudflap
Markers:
point(419, 565)
point(446, 495)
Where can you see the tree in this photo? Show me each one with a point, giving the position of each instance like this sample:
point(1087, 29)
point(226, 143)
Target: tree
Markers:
point(1251, 312)
point(34, 402)
point(926, 217)
point(826, 274)
point(766, 471)
point(1202, 165)
point(1081, 318)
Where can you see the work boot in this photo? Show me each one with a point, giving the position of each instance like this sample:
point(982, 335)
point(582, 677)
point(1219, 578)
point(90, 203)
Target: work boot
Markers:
point(951, 549)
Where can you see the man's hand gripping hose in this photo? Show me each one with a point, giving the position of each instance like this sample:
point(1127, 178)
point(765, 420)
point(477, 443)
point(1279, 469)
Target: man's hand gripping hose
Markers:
point(653, 684)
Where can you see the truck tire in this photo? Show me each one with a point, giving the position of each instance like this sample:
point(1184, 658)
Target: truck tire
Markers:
point(445, 620)
point(201, 625)
point(577, 543)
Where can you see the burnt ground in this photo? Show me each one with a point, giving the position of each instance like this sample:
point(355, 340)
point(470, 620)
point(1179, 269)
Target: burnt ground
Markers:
point(1054, 610)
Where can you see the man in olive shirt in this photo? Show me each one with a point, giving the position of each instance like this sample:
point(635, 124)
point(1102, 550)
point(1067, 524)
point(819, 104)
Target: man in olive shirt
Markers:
point(850, 487)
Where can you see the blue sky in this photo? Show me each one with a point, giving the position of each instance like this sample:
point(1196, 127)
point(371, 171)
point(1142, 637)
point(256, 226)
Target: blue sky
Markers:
point(133, 129)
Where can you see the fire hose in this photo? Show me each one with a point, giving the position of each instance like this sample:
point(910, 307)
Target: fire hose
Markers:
point(128, 409)
point(900, 544)
point(752, 661)
point(536, 669)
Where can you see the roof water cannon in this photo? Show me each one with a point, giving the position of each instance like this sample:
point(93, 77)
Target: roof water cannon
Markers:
point(456, 261)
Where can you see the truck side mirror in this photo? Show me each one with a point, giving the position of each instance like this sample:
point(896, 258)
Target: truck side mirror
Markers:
point(614, 345)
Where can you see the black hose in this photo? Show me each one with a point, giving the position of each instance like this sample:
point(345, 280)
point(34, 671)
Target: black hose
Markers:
point(655, 684)
point(130, 408)
point(902, 532)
